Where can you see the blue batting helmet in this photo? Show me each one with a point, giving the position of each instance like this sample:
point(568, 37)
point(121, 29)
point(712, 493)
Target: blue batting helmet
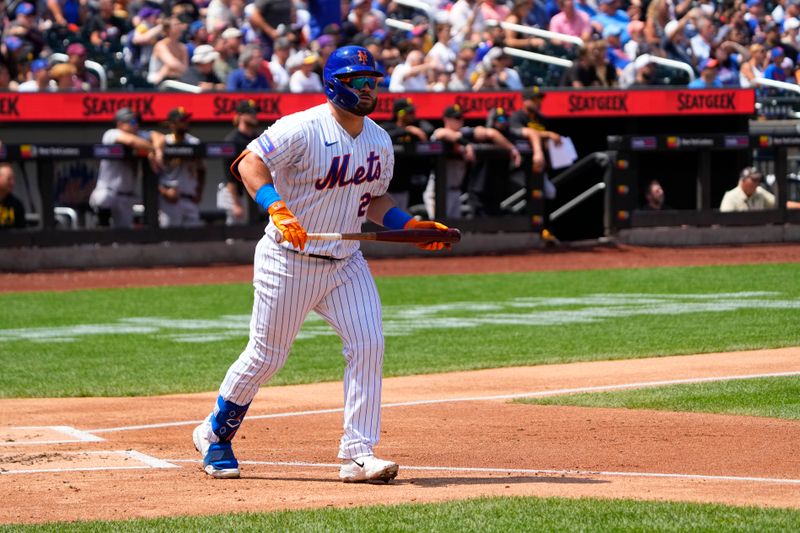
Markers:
point(345, 62)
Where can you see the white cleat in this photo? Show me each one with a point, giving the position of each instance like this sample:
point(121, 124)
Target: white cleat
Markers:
point(218, 459)
point(368, 468)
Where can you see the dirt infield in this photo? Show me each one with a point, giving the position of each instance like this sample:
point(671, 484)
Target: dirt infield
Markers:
point(455, 435)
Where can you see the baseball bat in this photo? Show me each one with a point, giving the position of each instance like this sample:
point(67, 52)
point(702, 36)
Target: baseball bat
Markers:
point(413, 236)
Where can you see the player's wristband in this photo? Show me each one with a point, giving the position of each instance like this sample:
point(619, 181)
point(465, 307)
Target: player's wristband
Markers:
point(395, 218)
point(267, 195)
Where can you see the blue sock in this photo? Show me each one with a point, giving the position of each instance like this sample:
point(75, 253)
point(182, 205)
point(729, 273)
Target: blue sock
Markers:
point(227, 418)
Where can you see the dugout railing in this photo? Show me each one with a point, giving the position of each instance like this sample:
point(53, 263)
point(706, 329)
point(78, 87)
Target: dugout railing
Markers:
point(50, 232)
point(709, 165)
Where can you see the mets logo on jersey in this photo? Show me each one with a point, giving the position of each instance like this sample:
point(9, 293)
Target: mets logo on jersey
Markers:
point(265, 143)
point(362, 56)
point(337, 172)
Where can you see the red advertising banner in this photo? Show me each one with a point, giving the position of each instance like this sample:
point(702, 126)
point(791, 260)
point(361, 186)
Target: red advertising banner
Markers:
point(563, 104)
point(216, 107)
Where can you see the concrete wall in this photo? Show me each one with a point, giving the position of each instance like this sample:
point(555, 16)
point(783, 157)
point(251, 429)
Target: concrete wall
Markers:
point(231, 251)
point(709, 236)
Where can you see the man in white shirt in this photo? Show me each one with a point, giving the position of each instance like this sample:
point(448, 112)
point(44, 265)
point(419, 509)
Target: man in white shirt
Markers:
point(277, 66)
point(748, 196)
point(41, 78)
point(466, 18)
point(304, 79)
point(702, 42)
point(410, 76)
point(219, 16)
point(442, 54)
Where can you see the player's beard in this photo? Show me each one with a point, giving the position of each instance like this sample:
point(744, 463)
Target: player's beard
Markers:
point(365, 107)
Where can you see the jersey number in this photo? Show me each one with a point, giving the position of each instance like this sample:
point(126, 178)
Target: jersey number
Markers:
point(362, 206)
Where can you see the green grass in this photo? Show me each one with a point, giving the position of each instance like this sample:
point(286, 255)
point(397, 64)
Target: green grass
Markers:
point(480, 515)
point(115, 364)
point(154, 363)
point(777, 397)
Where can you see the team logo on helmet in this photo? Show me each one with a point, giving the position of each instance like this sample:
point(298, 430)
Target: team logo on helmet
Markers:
point(362, 56)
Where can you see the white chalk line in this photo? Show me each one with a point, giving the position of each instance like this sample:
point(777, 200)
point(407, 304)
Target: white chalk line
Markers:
point(76, 434)
point(527, 471)
point(535, 394)
point(147, 460)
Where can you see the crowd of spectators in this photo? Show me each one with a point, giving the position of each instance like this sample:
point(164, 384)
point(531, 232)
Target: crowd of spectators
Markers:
point(281, 45)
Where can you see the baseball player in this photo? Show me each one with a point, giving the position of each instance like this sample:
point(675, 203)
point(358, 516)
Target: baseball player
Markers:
point(529, 123)
point(326, 169)
point(181, 183)
point(114, 196)
point(461, 138)
point(410, 173)
point(231, 191)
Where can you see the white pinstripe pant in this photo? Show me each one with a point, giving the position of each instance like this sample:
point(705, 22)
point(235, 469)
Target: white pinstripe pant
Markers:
point(287, 287)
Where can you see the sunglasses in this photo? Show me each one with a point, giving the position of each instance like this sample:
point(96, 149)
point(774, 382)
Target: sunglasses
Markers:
point(361, 82)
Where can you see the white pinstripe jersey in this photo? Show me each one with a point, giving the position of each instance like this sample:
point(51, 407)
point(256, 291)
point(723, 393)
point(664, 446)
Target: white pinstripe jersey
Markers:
point(326, 177)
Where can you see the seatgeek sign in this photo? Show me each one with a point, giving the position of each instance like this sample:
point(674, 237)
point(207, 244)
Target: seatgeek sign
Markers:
point(220, 107)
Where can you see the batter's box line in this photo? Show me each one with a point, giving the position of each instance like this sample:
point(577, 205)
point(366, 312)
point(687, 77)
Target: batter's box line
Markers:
point(148, 461)
point(529, 471)
point(76, 434)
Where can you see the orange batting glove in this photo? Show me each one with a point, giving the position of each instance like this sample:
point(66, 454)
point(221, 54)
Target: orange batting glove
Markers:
point(428, 224)
point(288, 224)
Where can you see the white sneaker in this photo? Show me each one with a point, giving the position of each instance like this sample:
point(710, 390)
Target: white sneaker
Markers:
point(367, 468)
point(218, 459)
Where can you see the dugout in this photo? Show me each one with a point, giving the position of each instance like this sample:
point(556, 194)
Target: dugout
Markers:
point(696, 171)
point(59, 197)
point(590, 117)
